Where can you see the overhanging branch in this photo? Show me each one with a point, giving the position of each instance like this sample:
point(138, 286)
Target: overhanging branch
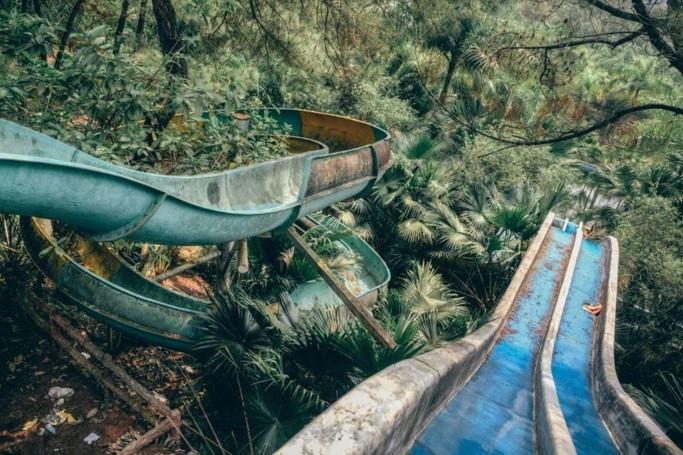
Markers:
point(564, 136)
point(614, 11)
point(630, 36)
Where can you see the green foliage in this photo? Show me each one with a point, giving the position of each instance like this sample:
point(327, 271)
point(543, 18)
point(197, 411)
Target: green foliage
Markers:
point(454, 214)
point(652, 277)
point(288, 372)
point(231, 333)
point(667, 409)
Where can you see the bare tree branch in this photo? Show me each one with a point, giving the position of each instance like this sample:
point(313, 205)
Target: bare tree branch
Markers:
point(675, 59)
point(256, 15)
point(579, 42)
point(561, 137)
point(573, 134)
point(614, 11)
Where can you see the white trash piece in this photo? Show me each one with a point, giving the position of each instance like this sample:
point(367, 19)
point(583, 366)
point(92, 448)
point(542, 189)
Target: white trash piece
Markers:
point(56, 392)
point(92, 437)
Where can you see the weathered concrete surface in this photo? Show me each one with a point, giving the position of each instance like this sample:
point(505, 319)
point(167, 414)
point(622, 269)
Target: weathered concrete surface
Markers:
point(552, 434)
point(632, 429)
point(386, 412)
point(571, 362)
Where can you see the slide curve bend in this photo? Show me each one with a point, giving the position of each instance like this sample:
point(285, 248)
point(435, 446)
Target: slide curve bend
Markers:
point(41, 176)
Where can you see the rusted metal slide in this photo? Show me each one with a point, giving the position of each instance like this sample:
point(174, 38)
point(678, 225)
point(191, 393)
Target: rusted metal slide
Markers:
point(43, 177)
point(103, 285)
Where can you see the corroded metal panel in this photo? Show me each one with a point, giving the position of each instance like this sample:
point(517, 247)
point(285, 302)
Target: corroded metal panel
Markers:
point(108, 289)
point(341, 132)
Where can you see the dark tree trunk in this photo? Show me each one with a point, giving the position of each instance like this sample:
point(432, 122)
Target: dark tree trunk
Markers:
point(67, 31)
point(452, 61)
point(38, 12)
point(120, 25)
point(169, 38)
point(24, 6)
point(140, 29)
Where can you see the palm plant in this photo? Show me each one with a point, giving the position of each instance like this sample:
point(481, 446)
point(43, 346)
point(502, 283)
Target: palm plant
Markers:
point(668, 412)
point(287, 368)
point(425, 305)
point(231, 332)
point(427, 293)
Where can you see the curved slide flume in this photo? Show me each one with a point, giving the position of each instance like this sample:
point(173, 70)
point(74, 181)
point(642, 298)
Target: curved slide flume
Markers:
point(108, 289)
point(41, 176)
point(533, 379)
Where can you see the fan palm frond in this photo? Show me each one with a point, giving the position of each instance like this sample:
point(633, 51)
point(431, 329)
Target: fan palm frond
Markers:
point(347, 217)
point(426, 292)
point(360, 206)
point(230, 332)
point(419, 148)
point(412, 208)
point(415, 231)
point(666, 409)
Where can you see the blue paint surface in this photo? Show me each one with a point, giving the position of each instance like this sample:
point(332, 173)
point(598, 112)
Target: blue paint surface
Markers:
point(571, 360)
point(493, 412)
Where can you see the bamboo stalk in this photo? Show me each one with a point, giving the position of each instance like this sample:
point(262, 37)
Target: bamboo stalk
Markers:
point(146, 439)
point(243, 266)
point(185, 267)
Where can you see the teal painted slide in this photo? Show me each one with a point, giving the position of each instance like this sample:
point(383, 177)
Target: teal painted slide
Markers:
point(103, 285)
point(41, 176)
point(44, 179)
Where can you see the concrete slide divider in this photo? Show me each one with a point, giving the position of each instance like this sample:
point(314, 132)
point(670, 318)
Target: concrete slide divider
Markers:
point(632, 429)
point(552, 433)
point(386, 412)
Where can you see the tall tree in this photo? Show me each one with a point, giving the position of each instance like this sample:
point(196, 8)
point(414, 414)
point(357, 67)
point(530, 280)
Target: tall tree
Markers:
point(169, 38)
point(653, 26)
point(140, 28)
point(450, 38)
point(75, 10)
point(120, 25)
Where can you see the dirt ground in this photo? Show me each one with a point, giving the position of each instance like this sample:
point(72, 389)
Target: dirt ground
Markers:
point(30, 365)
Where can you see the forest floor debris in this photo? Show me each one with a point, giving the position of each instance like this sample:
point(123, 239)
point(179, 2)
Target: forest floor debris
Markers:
point(31, 388)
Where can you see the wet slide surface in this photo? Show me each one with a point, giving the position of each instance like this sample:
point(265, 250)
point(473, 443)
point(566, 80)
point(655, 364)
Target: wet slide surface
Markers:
point(493, 413)
point(572, 357)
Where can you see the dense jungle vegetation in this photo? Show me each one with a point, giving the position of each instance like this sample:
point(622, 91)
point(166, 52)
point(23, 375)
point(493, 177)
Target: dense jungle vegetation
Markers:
point(500, 111)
